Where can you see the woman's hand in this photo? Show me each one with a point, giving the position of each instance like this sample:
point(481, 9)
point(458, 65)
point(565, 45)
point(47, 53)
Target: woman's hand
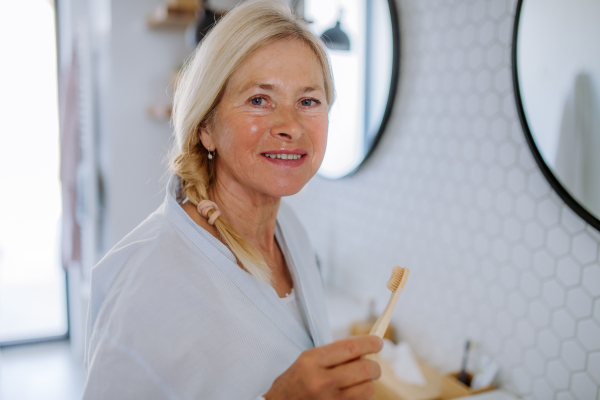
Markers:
point(333, 371)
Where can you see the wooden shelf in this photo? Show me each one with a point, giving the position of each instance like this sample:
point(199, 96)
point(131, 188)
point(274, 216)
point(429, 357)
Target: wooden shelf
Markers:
point(169, 16)
point(160, 112)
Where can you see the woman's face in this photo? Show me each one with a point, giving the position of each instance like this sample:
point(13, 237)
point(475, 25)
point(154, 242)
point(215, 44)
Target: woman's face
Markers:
point(270, 129)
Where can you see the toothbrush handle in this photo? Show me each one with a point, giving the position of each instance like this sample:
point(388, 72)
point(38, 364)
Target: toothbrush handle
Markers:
point(383, 321)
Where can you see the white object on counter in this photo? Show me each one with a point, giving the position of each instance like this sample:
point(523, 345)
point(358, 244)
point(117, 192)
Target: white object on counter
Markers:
point(485, 373)
point(403, 362)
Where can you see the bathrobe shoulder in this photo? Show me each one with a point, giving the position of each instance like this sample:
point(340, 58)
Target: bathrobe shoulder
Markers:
point(172, 316)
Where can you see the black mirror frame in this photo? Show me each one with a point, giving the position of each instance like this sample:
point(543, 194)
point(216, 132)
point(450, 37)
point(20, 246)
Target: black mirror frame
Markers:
point(548, 174)
point(393, 88)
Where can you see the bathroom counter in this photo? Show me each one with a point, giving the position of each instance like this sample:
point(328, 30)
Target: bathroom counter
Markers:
point(492, 395)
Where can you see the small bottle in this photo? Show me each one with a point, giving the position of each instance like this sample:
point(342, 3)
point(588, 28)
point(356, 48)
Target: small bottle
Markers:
point(364, 327)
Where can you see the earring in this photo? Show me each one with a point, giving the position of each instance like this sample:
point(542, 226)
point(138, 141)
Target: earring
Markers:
point(210, 155)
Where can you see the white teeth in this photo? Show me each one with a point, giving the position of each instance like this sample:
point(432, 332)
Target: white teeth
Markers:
point(284, 156)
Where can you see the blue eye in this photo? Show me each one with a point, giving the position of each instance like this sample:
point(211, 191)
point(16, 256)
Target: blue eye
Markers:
point(308, 102)
point(257, 101)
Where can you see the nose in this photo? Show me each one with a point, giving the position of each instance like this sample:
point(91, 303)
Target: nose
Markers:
point(286, 123)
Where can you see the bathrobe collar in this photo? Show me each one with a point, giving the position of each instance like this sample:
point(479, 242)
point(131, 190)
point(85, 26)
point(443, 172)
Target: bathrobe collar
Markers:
point(261, 294)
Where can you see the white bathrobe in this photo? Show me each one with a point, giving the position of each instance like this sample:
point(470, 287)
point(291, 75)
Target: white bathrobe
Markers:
point(172, 316)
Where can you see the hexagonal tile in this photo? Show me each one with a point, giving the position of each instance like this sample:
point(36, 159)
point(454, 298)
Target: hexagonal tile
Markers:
point(530, 285)
point(571, 221)
point(521, 380)
point(483, 81)
point(534, 235)
point(500, 251)
point(548, 212)
point(568, 271)
point(525, 333)
point(475, 57)
point(492, 341)
point(521, 257)
point(558, 375)
point(584, 249)
point(497, 9)
point(541, 389)
point(543, 263)
point(525, 159)
point(504, 203)
point(597, 310)
point(534, 362)
point(588, 333)
point(539, 314)
point(564, 396)
point(558, 241)
point(538, 186)
point(517, 305)
point(486, 33)
point(553, 294)
point(563, 324)
point(508, 277)
point(504, 323)
point(494, 56)
point(548, 343)
point(525, 208)
point(516, 181)
point(512, 351)
point(573, 355)
point(591, 279)
point(496, 296)
point(478, 11)
point(484, 199)
point(583, 387)
point(594, 366)
point(512, 229)
point(579, 302)
point(488, 271)
point(492, 224)
point(505, 30)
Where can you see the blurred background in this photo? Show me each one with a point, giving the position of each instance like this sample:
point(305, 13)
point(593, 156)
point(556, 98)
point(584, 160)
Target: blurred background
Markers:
point(445, 183)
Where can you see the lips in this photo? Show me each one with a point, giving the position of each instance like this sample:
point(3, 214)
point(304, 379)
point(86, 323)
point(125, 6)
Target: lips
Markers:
point(287, 158)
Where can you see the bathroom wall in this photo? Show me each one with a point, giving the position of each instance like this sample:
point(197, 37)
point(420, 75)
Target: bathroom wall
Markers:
point(453, 193)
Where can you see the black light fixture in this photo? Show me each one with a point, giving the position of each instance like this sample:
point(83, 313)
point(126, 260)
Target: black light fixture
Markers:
point(335, 38)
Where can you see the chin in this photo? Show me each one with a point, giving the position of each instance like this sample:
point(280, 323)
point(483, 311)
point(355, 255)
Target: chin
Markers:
point(285, 187)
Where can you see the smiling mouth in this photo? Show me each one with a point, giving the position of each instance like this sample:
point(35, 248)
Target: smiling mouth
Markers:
point(284, 156)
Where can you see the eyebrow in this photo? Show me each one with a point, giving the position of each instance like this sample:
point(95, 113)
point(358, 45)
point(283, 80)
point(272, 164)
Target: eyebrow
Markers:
point(271, 87)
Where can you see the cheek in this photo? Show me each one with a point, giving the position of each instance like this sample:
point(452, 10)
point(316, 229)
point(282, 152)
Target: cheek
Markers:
point(319, 139)
point(239, 137)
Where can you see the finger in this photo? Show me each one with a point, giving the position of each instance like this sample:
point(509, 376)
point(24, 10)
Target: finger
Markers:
point(348, 349)
point(355, 372)
point(363, 391)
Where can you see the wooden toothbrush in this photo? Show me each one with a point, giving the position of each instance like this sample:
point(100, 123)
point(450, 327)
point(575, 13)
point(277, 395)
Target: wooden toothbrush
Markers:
point(395, 284)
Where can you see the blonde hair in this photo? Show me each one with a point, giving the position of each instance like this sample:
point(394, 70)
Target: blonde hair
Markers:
point(247, 28)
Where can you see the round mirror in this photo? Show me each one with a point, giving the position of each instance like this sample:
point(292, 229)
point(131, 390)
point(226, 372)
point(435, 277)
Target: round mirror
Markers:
point(362, 37)
point(556, 74)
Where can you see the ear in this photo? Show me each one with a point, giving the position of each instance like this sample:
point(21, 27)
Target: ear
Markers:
point(206, 138)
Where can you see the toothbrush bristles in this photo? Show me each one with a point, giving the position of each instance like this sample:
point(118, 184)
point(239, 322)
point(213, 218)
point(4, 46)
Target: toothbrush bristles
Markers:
point(396, 278)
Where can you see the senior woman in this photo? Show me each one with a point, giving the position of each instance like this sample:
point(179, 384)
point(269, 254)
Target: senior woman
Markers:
point(217, 295)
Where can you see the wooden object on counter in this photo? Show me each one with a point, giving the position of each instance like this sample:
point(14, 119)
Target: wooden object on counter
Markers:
point(452, 388)
point(438, 387)
point(364, 328)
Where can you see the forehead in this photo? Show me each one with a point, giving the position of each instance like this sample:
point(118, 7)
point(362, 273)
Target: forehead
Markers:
point(284, 63)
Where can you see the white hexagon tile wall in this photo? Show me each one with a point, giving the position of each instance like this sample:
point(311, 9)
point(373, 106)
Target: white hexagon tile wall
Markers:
point(453, 193)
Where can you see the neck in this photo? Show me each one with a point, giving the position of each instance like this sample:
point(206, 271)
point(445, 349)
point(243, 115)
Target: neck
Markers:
point(251, 214)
